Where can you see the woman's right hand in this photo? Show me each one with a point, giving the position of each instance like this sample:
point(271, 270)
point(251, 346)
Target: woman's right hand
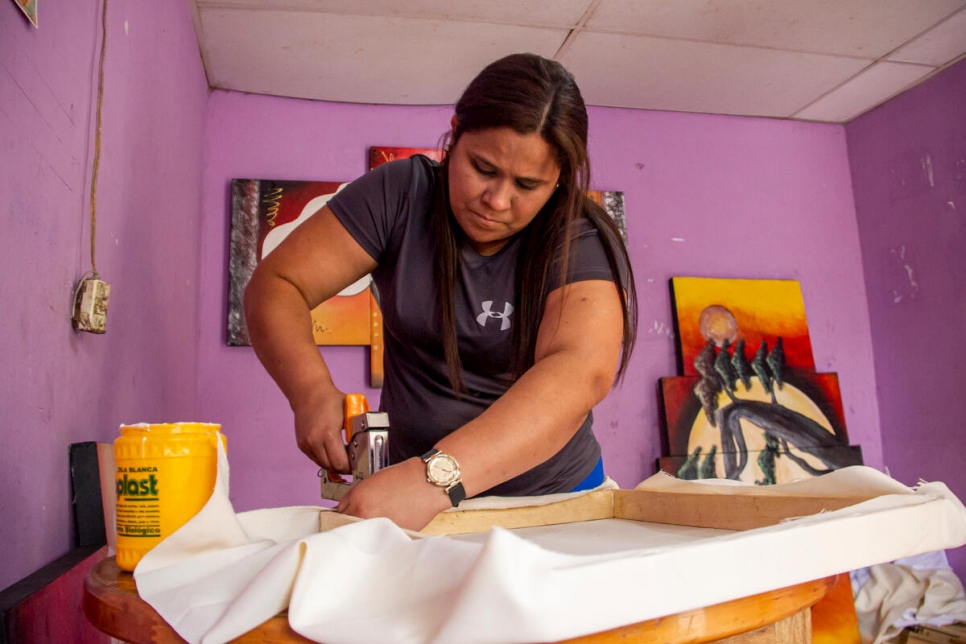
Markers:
point(318, 429)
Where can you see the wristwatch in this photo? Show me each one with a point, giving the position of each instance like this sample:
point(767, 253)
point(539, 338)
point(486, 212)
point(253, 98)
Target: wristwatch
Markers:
point(442, 470)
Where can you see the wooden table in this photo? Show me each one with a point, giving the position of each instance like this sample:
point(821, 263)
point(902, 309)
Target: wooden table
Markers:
point(781, 616)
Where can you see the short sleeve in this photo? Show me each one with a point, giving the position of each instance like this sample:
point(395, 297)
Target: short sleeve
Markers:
point(372, 206)
point(588, 258)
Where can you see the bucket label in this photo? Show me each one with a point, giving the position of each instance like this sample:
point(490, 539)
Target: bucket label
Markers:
point(138, 502)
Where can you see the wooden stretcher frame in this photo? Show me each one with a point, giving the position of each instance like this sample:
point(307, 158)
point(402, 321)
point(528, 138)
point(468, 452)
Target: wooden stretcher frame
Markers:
point(733, 508)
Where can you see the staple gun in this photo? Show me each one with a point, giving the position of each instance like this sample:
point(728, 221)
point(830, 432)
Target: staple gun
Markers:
point(367, 438)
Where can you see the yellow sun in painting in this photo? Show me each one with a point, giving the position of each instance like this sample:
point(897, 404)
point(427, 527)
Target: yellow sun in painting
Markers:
point(718, 323)
point(705, 436)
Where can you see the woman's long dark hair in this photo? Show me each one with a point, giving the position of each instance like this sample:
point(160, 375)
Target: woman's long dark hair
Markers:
point(528, 93)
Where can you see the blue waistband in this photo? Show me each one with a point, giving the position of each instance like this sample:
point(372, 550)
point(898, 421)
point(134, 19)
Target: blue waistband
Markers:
point(595, 478)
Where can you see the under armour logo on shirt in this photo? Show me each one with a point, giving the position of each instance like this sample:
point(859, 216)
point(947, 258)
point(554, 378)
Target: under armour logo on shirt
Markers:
point(488, 313)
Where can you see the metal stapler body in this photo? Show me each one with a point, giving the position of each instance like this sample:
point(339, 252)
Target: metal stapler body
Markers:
point(367, 434)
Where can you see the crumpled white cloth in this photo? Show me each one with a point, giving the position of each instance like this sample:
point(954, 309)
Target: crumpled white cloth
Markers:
point(223, 573)
point(913, 590)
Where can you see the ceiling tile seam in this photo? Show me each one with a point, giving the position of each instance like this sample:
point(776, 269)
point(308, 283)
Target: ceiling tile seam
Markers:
point(922, 79)
point(201, 41)
point(576, 29)
point(939, 68)
point(888, 98)
point(851, 78)
point(952, 62)
point(737, 45)
point(833, 89)
point(935, 69)
point(203, 6)
point(568, 41)
point(924, 32)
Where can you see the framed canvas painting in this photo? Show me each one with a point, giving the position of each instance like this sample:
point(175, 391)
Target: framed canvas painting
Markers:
point(724, 310)
point(29, 8)
point(264, 213)
point(754, 434)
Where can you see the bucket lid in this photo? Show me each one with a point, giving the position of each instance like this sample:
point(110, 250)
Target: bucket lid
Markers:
point(172, 428)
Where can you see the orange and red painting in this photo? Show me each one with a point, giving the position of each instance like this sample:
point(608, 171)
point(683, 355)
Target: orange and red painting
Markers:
point(382, 154)
point(755, 310)
point(264, 213)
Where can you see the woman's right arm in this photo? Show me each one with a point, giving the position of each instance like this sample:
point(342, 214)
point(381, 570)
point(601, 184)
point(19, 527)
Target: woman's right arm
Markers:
point(316, 261)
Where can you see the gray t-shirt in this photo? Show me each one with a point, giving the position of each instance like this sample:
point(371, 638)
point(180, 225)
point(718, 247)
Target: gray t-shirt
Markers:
point(388, 212)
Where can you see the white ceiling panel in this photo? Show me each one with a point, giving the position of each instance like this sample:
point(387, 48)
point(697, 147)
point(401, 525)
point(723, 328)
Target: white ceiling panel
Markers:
point(701, 77)
point(937, 46)
point(871, 87)
point(545, 13)
point(360, 59)
point(805, 59)
point(863, 28)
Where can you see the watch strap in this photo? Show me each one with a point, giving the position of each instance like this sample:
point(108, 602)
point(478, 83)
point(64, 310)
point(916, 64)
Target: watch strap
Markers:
point(456, 493)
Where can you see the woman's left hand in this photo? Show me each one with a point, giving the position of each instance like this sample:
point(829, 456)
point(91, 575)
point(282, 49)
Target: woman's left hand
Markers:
point(401, 493)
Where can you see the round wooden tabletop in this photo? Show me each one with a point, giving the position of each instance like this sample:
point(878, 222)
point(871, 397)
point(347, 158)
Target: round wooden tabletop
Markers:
point(112, 605)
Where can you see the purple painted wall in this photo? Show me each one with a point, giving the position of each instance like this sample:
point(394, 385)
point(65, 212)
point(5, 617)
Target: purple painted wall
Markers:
point(705, 195)
point(908, 161)
point(59, 386)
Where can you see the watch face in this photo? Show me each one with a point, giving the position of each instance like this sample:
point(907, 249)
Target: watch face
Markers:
point(442, 469)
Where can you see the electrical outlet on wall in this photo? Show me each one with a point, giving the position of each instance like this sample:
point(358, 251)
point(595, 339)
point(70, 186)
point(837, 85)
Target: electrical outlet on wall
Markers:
point(90, 305)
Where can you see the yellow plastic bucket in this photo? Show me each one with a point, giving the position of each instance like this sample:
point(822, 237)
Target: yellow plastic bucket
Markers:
point(165, 475)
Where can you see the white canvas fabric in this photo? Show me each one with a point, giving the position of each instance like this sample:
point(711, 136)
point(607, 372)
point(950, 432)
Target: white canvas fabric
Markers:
point(914, 590)
point(223, 573)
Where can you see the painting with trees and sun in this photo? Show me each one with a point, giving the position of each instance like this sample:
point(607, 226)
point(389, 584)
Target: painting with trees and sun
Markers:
point(749, 405)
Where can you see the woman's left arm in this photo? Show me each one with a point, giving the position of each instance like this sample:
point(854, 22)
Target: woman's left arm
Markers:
point(577, 354)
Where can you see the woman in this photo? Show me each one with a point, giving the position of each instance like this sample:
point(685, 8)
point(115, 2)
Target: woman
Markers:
point(507, 298)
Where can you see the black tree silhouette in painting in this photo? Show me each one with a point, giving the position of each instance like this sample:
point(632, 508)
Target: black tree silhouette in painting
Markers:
point(782, 427)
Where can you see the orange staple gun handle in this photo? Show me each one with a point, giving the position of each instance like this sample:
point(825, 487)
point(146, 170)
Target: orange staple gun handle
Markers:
point(354, 405)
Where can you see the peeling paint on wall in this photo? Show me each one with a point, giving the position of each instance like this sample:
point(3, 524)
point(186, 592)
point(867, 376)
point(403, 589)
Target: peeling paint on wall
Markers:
point(906, 288)
point(660, 328)
point(910, 174)
point(950, 227)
